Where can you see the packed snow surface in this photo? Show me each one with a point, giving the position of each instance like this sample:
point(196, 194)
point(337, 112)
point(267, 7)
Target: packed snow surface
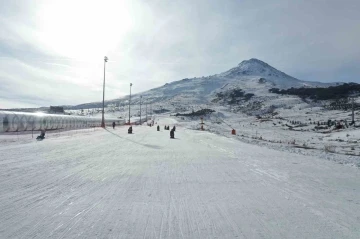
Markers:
point(110, 184)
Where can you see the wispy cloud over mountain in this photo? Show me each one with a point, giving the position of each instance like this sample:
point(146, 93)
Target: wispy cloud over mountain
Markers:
point(51, 52)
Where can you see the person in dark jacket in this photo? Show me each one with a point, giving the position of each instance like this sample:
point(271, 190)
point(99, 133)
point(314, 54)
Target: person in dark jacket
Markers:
point(130, 130)
point(113, 125)
point(172, 134)
point(42, 134)
point(174, 128)
point(158, 128)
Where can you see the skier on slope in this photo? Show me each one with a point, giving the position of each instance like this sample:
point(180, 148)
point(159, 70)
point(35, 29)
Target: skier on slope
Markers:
point(42, 134)
point(130, 130)
point(172, 134)
point(113, 124)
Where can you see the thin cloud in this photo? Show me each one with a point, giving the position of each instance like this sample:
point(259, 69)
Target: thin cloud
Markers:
point(50, 50)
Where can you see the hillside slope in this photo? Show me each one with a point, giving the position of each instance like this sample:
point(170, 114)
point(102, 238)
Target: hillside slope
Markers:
point(252, 76)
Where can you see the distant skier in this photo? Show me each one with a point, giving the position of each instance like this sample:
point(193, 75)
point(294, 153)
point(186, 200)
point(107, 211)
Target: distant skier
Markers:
point(158, 128)
point(113, 124)
point(174, 128)
point(42, 135)
point(172, 134)
point(130, 130)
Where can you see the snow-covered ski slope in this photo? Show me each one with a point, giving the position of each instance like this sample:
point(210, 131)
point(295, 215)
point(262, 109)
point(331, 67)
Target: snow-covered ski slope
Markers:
point(108, 184)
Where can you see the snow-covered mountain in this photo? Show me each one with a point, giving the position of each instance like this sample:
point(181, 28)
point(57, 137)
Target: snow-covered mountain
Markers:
point(258, 68)
point(252, 76)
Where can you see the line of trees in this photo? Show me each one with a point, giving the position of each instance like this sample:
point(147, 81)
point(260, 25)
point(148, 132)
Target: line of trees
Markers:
point(201, 112)
point(333, 92)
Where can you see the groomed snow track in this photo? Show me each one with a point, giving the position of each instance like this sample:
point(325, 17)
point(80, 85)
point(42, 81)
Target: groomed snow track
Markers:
point(109, 184)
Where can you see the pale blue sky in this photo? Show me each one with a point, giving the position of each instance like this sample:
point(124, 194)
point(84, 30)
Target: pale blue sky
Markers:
point(51, 52)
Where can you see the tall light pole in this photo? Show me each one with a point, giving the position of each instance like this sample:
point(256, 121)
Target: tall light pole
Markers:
point(140, 108)
point(103, 119)
point(130, 102)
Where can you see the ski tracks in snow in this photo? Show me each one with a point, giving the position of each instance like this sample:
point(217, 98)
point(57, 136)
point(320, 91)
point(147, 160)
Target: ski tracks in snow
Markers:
point(113, 185)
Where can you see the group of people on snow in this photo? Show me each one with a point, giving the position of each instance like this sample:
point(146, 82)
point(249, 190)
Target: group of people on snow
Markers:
point(172, 131)
point(168, 127)
point(130, 130)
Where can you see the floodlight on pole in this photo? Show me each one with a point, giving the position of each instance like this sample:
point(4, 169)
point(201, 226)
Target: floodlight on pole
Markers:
point(103, 106)
point(130, 102)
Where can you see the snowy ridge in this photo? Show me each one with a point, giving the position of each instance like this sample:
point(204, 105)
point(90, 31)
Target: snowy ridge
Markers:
point(201, 90)
point(255, 67)
point(245, 76)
